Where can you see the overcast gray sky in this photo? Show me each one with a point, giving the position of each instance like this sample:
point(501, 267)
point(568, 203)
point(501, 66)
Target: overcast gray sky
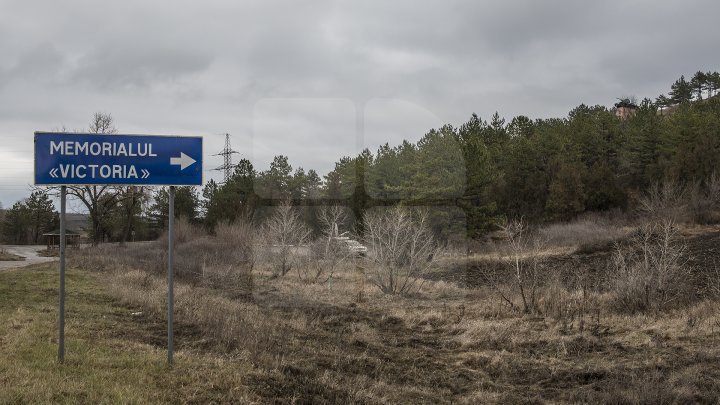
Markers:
point(316, 80)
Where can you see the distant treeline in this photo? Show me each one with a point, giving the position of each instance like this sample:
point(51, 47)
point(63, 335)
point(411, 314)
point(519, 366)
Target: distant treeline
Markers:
point(541, 170)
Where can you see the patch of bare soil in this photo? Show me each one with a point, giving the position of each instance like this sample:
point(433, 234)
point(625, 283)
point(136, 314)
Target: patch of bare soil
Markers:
point(10, 257)
point(49, 253)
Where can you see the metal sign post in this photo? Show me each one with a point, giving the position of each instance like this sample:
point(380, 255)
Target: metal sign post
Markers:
point(61, 321)
point(70, 159)
point(170, 273)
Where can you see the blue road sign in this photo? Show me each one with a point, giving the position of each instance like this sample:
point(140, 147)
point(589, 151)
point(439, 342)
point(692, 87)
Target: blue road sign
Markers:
point(84, 159)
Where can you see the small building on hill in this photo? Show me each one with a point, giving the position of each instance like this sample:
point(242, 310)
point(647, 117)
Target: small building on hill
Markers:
point(625, 109)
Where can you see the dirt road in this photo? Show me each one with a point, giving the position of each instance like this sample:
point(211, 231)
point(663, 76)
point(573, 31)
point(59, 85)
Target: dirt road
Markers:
point(28, 252)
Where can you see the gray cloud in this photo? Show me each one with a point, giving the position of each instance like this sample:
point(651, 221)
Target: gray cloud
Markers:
point(214, 67)
point(42, 62)
point(112, 66)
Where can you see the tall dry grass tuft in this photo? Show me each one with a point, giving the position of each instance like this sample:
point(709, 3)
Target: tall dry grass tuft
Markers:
point(228, 259)
point(228, 323)
point(184, 232)
point(590, 233)
point(146, 256)
point(223, 262)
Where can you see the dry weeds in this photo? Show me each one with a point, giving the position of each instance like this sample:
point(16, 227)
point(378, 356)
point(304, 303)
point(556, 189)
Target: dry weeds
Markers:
point(345, 341)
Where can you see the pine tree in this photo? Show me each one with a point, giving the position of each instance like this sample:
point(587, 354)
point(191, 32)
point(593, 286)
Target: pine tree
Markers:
point(681, 91)
point(187, 204)
point(16, 226)
point(234, 199)
point(29, 219)
point(566, 194)
point(478, 202)
point(42, 215)
point(699, 84)
point(276, 182)
point(662, 101)
point(713, 83)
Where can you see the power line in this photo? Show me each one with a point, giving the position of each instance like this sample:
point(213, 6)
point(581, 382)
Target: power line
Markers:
point(227, 165)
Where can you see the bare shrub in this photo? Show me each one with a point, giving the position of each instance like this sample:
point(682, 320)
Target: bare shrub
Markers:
point(525, 263)
point(704, 200)
point(666, 200)
point(570, 302)
point(651, 273)
point(697, 202)
point(332, 219)
point(223, 262)
point(229, 260)
point(712, 188)
point(711, 282)
point(401, 248)
point(239, 239)
point(283, 234)
point(324, 257)
point(326, 254)
point(183, 230)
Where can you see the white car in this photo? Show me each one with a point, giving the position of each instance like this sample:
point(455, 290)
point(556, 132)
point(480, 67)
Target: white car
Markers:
point(353, 246)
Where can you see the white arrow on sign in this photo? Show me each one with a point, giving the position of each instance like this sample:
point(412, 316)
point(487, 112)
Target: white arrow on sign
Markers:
point(53, 173)
point(144, 174)
point(184, 161)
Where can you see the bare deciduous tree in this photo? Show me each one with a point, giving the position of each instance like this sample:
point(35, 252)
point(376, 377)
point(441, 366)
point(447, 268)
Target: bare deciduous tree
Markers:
point(332, 219)
point(130, 202)
point(284, 232)
point(522, 278)
point(651, 272)
point(401, 248)
point(666, 200)
point(102, 123)
point(326, 254)
point(100, 201)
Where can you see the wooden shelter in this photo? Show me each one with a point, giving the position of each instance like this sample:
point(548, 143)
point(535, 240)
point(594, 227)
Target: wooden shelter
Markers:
point(52, 239)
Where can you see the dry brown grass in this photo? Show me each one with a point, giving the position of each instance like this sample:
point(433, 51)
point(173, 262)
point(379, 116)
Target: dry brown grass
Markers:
point(345, 341)
point(224, 261)
point(589, 233)
point(593, 232)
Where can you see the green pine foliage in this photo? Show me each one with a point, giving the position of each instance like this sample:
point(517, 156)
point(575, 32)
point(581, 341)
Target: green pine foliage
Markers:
point(541, 170)
point(29, 219)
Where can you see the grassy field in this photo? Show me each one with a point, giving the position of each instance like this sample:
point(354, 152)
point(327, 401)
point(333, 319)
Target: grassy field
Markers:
point(342, 341)
point(111, 355)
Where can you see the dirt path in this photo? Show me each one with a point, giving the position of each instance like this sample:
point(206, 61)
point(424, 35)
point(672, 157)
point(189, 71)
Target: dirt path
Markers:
point(29, 252)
